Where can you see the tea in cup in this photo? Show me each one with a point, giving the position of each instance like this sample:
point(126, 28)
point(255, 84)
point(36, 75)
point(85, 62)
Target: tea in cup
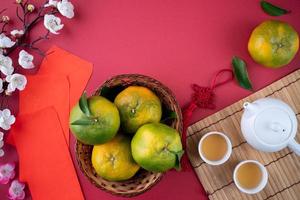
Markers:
point(250, 176)
point(215, 148)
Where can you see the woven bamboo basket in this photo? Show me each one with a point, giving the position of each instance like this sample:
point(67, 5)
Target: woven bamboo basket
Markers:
point(143, 180)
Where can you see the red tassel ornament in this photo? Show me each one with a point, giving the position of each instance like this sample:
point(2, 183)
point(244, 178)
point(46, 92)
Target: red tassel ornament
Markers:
point(202, 97)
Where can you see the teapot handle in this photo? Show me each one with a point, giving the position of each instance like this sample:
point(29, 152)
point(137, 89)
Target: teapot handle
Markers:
point(295, 146)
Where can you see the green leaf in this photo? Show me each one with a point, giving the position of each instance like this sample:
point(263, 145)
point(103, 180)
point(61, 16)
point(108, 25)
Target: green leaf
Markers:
point(272, 10)
point(240, 73)
point(84, 106)
point(172, 115)
point(84, 122)
point(178, 155)
point(111, 92)
point(168, 115)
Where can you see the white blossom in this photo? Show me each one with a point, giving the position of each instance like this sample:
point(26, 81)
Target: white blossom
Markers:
point(17, 32)
point(6, 42)
point(16, 81)
point(5, 19)
point(25, 60)
point(16, 190)
point(6, 65)
point(51, 3)
point(66, 8)
point(7, 171)
point(52, 23)
point(6, 119)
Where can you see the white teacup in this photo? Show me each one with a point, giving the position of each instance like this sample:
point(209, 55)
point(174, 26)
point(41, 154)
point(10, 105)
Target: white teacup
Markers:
point(226, 154)
point(261, 184)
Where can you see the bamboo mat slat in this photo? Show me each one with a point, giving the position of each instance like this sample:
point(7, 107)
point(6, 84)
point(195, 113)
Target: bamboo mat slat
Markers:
point(283, 166)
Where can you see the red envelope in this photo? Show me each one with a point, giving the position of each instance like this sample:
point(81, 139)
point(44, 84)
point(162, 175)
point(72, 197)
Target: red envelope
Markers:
point(43, 90)
point(41, 137)
point(78, 71)
point(45, 161)
point(47, 90)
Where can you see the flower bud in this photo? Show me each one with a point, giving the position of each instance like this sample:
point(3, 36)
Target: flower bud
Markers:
point(8, 93)
point(5, 19)
point(19, 1)
point(30, 7)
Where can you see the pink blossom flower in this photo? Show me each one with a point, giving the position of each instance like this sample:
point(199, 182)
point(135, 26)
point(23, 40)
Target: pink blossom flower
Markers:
point(16, 190)
point(7, 172)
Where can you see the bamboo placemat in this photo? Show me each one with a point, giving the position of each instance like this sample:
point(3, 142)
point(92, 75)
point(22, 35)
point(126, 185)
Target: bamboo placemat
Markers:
point(283, 166)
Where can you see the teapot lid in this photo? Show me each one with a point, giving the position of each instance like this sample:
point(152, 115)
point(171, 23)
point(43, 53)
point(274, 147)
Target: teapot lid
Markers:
point(274, 125)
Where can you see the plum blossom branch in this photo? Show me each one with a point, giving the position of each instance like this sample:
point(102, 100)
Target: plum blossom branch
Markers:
point(52, 23)
point(11, 81)
point(33, 43)
point(2, 11)
point(27, 26)
point(45, 37)
point(18, 15)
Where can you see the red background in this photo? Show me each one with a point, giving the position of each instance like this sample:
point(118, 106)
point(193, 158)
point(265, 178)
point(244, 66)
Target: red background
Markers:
point(177, 42)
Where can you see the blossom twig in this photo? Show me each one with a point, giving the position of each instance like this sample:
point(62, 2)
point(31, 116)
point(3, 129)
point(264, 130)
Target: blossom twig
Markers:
point(28, 26)
point(3, 27)
point(19, 39)
point(3, 10)
point(18, 15)
point(45, 37)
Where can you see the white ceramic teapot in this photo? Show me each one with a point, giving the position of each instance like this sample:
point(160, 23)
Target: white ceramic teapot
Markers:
point(270, 125)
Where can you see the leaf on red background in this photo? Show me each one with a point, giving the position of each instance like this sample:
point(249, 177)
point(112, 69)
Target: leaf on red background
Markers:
point(273, 10)
point(241, 73)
